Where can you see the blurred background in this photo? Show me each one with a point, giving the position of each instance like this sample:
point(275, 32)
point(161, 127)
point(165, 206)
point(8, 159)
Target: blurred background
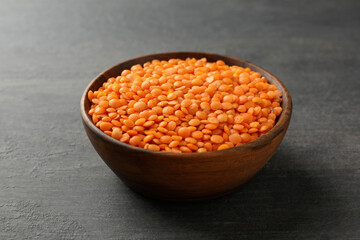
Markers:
point(53, 185)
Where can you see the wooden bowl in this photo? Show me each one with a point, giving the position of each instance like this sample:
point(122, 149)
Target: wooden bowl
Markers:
point(185, 176)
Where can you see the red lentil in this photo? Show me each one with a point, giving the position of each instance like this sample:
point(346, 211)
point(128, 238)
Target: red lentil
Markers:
point(186, 106)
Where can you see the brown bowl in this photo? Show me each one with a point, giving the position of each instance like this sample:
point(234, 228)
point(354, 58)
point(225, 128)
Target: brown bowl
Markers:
point(185, 176)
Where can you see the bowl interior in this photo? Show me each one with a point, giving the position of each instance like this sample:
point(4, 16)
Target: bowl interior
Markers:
point(116, 70)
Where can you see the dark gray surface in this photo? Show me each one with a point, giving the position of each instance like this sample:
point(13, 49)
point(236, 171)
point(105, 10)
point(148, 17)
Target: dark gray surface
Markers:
point(53, 185)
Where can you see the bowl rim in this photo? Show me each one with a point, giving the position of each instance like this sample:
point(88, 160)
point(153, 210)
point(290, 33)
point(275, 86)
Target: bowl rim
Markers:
point(257, 143)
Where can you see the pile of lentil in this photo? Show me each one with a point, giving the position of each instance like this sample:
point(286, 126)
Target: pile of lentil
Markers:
point(186, 106)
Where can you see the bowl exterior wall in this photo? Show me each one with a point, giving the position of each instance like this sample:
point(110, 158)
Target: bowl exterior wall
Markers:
point(184, 179)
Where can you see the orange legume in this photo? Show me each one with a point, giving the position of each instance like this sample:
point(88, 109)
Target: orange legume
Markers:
point(139, 106)
point(202, 150)
point(129, 123)
point(140, 121)
point(174, 143)
point(194, 122)
point(185, 106)
point(154, 147)
point(135, 140)
point(105, 126)
point(217, 139)
point(223, 146)
point(235, 138)
point(245, 137)
point(116, 133)
point(184, 132)
point(165, 139)
point(125, 137)
point(148, 138)
point(197, 134)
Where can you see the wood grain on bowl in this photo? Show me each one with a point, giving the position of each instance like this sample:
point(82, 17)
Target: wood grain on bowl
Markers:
point(191, 176)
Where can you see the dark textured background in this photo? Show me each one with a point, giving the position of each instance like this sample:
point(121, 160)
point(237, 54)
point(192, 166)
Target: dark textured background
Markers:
point(53, 185)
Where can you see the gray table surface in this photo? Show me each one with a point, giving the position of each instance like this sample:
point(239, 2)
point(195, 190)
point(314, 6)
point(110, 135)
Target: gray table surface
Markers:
point(53, 185)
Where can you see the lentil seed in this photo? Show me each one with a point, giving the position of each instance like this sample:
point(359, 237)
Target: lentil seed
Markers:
point(186, 105)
